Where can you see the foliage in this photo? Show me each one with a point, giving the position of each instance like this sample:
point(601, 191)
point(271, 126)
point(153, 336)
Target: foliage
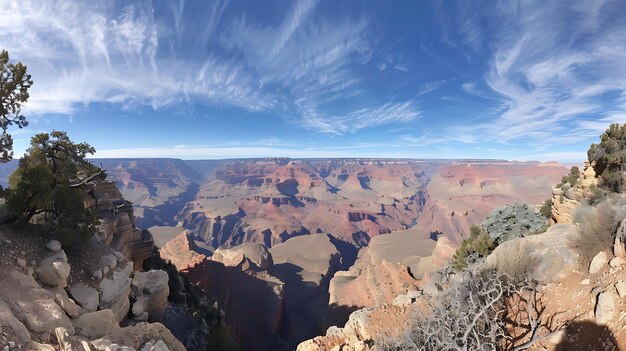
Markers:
point(14, 85)
point(42, 186)
point(597, 226)
point(546, 208)
point(610, 157)
point(513, 221)
point(572, 177)
point(479, 245)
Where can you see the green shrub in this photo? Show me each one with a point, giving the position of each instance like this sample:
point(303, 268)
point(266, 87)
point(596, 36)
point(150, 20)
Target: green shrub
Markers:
point(478, 245)
point(609, 159)
point(546, 208)
point(513, 221)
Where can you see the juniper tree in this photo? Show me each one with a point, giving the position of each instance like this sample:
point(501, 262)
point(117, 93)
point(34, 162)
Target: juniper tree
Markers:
point(42, 186)
point(14, 84)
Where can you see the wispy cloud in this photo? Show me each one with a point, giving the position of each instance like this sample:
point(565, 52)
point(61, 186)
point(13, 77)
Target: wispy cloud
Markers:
point(83, 53)
point(552, 83)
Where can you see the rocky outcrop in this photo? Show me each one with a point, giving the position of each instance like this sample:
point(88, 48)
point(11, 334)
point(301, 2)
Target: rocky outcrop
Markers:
point(150, 291)
point(365, 285)
point(566, 199)
point(546, 257)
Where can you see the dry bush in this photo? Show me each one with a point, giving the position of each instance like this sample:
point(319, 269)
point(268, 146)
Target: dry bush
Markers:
point(474, 312)
point(597, 226)
point(514, 259)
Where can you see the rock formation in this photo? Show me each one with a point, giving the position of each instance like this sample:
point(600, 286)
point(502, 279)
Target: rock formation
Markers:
point(83, 297)
point(566, 199)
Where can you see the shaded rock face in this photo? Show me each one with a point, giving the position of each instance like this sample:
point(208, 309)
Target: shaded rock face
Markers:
point(252, 298)
point(117, 225)
point(305, 264)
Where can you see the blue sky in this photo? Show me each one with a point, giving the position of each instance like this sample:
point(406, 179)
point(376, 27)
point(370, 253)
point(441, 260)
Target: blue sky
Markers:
point(527, 80)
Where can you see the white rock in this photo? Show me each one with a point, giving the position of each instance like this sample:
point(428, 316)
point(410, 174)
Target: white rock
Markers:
point(617, 262)
point(96, 324)
point(21, 262)
point(155, 346)
point(68, 305)
point(85, 296)
point(585, 281)
point(54, 270)
point(53, 246)
point(605, 307)
point(598, 262)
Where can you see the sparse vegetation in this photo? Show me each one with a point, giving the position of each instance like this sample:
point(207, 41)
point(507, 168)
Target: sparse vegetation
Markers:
point(41, 189)
point(14, 84)
point(478, 245)
point(597, 226)
point(571, 178)
point(546, 208)
point(610, 157)
point(513, 221)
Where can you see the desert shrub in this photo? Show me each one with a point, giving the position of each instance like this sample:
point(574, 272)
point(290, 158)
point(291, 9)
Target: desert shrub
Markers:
point(572, 177)
point(546, 208)
point(476, 312)
point(597, 226)
point(515, 260)
point(478, 245)
point(597, 195)
point(513, 221)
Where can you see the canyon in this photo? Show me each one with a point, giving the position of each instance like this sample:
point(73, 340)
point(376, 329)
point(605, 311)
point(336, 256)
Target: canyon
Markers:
point(289, 247)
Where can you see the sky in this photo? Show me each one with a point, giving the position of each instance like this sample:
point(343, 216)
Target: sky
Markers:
point(517, 80)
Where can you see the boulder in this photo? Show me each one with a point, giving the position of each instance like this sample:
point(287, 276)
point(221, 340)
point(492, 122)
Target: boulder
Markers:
point(95, 325)
point(54, 270)
point(115, 292)
point(155, 346)
point(53, 246)
point(68, 305)
point(85, 296)
point(150, 290)
point(7, 319)
point(598, 262)
point(546, 257)
point(33, 305)
point(617, 262)
point(605, 307)
point(109, 260)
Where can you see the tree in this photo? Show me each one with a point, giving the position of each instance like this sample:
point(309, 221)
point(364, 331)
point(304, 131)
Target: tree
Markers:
point(610, 157)
point(14, 85)
point(42, 186)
